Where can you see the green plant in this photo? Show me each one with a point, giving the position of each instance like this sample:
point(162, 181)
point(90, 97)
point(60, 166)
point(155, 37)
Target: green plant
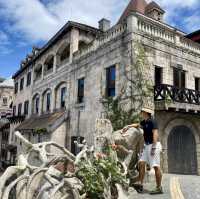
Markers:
point(136, 89)
point(40, 130)
point(100, 173)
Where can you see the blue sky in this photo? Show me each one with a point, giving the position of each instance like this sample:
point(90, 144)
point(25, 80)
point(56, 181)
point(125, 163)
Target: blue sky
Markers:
point(27, 23)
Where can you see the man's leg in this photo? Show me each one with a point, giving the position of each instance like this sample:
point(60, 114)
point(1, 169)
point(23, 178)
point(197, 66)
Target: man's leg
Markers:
point(142, 165)
point(139, 187)
point(158, 176)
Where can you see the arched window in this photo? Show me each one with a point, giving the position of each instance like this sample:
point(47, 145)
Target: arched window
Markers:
point(38, 72)
point(60, 95)
point(35, 104)
point(82, 45)
point(63, 54)
point(48, 65)
point(47, 101)
point(48, 105)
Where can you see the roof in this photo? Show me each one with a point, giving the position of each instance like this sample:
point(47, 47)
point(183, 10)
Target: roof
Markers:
point(153, 5)
point(195, 36)
point(7, 83)
point(133, 6)
point(55, 38)
point(47, 121)
point(195, 33)
point(3, 122)
point(1, 79)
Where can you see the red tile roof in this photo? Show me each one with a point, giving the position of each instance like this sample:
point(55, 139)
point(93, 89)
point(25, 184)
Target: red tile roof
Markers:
point(134, 6)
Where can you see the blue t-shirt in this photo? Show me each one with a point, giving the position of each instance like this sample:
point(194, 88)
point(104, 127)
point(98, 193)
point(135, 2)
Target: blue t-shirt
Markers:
point(148, 126)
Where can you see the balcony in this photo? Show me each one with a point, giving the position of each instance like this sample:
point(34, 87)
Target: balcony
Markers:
point(168, 96)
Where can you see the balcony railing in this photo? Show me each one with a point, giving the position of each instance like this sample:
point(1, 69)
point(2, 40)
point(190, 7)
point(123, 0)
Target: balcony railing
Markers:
point(171, 93)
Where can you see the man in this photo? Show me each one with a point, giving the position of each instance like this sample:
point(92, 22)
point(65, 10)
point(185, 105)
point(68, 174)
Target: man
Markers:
point(151, 151)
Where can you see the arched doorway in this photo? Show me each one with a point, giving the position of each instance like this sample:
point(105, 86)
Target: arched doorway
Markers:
point(182, 157)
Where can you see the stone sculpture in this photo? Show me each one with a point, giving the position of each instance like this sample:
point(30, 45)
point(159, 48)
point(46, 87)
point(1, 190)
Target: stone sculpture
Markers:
point(55, 176)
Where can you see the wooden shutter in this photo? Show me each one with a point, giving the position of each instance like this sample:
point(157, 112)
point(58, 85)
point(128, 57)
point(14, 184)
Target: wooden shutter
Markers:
point(176, 77)
point(158, 75)
point(182, 84)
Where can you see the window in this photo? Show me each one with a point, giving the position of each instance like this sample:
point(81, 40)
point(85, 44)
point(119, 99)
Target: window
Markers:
point(197, 83)
point(110, 81)
point(21, 84)
point(80, 90)
point(38, 72)
point(179, 78)
point(19, 109)
point(37, 100)
point(158, 75)
point(62, 97)
point(74, 149)
point(48, 101)
point(26, 106)
point(65, 54)
point(49, 64)
point(14, 110)
point(5, 101)
point(28, 79)
point(16, 87)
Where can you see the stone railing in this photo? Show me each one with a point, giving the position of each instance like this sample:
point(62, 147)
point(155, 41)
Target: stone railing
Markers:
point(101, 40)
point(189, 44)
point(155, 30)
point(165, 32)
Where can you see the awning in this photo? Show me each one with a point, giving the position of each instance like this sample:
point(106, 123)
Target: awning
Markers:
point(4, 123)
point(48, 121)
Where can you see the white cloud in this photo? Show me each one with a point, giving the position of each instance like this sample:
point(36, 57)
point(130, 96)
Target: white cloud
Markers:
point(4, 44)
point(38, 20)
point(30, 18)
point(3, 38)
point(174, 10)
point(192, 23)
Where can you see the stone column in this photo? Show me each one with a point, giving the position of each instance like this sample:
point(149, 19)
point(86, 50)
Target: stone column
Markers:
point(53, 99)
point(55, 64)
point(198, 158)
point(74, 42)
point(177, 40)
point(41, 104)
point(30, 107)
point(132, 23)
point(42, 71)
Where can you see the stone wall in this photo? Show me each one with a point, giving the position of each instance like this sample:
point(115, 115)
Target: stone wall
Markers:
point(164, 45)
point(167, 121)
point(6, 98)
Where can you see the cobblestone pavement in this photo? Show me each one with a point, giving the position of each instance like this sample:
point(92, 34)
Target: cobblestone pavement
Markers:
point(174, 187)
point(190, 186)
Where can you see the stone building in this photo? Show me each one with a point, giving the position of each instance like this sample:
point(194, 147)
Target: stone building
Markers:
point(58, 87)
point(6, 98)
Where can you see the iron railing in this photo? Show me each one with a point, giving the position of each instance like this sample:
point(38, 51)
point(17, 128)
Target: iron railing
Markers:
point(164, 92)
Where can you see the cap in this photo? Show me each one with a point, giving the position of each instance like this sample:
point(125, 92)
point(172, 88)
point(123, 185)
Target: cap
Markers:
point(148, 110)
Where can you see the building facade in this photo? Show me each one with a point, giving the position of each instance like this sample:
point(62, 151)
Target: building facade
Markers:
point(6, 99)
point(58, 88)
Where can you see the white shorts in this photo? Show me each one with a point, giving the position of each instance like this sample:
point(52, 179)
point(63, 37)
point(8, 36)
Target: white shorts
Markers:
point(153, 161)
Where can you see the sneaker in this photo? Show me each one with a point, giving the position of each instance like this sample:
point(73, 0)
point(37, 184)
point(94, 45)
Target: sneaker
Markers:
point(157, 190)
point(138, 188)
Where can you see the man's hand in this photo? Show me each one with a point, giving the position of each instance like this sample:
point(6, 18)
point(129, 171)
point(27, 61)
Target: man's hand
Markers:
point(125, 129)
point(114, 147)
point(153, 151)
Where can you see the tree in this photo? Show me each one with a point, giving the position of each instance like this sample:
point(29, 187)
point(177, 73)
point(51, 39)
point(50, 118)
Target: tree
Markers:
point(136, 89)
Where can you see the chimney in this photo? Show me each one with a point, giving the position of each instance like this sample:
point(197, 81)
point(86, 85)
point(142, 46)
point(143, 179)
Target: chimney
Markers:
point(104, 24)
